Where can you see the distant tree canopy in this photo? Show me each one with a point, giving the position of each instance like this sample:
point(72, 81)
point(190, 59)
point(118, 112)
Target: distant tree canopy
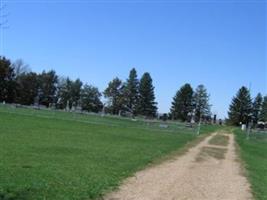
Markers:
point(69, 93)
point(188, 103)
point(147, 105)
point(131, 92)
point(7, 81)
point(90, 98)
point(257, 108)
point(20, 67)
point(114, 94)
point(182, 103)
point(18, 84)
point(47, 87)
point(201, 103)
point(26, 88)
point(263, 112)
point(133, 96)
point(240, 110)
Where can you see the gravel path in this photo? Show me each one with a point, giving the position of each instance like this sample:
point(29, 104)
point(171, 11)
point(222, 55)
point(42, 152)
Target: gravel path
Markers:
point(206, 171)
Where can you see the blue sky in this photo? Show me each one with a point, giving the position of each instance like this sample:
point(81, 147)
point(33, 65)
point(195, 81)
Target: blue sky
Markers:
point(221, 44)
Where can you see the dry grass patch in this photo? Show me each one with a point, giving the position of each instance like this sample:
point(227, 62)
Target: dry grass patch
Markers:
point(221, 140)
point(206, 152)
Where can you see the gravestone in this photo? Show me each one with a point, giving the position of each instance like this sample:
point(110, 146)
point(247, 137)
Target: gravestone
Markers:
point(243, 127)
point(163, 126)
point(68, 106)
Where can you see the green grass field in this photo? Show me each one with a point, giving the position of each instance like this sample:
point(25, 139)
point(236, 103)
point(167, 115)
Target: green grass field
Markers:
point(58, 155)
point(254, 154)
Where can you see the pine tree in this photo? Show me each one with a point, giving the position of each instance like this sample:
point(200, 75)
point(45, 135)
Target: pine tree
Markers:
point(182, 103)
point(26, 88)
point(201, 103)
point(240, 109)
point(114, 93)
point(7, 81)
point(47, 83)
point(263, 113)
point(147, 105)
point(257, 105)
point(131, 92)
point(69, 93)
point(63, 93)
point(76, 88)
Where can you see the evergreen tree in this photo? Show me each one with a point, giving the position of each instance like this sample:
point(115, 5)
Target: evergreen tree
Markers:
point(114, 93)
point(69, 93)
point(240, 109)
point(63, 92)
point(201, 103)
point(257, 105)
point(263, 113)
point(147, 105)
point(75, 92)
point(47, 84)
point(131, 92)
point(90, 97)
point(27, 88)
point(182, 103)
point(7, 81)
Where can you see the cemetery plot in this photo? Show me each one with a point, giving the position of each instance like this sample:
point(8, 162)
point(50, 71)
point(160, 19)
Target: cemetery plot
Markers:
point(58, 155)
point(253, 150)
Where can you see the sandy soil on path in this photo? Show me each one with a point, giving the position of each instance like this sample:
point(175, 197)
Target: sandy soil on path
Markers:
point(204, 172)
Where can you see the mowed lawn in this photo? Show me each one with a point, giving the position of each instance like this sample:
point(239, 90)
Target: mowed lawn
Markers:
point(254, 154)
point(52, 158)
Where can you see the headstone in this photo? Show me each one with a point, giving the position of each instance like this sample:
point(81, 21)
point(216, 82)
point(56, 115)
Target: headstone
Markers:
point(68, 106)
point(214, 119)
point(163, 126)
point(73, 108)
point(243, 127)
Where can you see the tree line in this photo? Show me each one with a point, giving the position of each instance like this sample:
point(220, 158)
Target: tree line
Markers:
point(134, 96)
point(20, 85)
point(190, 105)
point(246, 110)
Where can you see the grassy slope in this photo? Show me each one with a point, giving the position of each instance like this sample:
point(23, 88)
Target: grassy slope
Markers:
point(51, 158)
point(254, 153)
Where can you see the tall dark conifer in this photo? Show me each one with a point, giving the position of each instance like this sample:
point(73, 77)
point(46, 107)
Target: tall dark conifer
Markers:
point(182, 103)
point(7, 81)
point(240, 109)
point(48, 87)
point(257, 106)
point(131, 92)
point(26, 88)
point(201, 103)
point(147, 105)
point(263, 112)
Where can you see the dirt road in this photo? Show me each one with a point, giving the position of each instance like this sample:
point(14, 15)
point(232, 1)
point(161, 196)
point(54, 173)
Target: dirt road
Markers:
point(209, 171)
